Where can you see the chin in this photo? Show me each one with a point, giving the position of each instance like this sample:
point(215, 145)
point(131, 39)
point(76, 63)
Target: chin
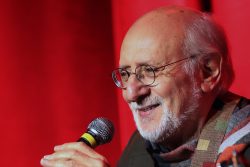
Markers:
point(157, 131)
point(152, 135)
point(150, 130)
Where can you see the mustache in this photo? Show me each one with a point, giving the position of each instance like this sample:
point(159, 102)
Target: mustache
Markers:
point(147, 101)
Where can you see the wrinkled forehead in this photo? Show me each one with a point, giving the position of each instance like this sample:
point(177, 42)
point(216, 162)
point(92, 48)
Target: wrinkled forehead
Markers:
point(155, 37)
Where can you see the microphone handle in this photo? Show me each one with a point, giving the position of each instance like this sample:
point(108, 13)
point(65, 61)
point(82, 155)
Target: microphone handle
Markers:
point(88, 139)
point(84, 141)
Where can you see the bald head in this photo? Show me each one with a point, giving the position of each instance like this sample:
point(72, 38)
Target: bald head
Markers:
point(166, 18)
point(161, 24)
point(184, 30)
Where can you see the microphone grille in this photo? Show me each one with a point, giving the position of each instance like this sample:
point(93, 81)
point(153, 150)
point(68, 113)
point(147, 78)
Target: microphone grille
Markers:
point(102, 129)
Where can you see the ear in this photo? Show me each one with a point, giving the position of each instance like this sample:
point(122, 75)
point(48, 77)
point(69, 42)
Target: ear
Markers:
point(210, 72)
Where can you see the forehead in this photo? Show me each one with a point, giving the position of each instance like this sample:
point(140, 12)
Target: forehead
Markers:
point(148, 48)
point(156, 38)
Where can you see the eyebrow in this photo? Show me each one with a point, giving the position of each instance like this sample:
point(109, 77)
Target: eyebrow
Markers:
point(138, 64)
point(123, 66)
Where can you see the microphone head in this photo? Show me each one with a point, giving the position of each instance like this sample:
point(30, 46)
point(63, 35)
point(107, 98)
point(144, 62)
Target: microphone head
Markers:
point(102, 130)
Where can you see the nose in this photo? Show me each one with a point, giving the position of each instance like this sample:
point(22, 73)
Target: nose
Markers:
point(135, 90)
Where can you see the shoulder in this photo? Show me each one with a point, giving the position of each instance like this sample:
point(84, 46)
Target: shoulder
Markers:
point(135, 153)
point(238, 129)
point(240, 118)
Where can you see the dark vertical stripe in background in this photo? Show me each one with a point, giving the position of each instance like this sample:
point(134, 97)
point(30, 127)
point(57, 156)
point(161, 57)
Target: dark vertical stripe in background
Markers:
point(206, 6)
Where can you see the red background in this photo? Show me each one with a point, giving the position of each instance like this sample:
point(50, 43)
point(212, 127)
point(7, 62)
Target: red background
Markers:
point(56, 57)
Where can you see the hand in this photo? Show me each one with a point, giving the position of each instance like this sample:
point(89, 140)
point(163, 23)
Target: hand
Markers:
point(76, 154)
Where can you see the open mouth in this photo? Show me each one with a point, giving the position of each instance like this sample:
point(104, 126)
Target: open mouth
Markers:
point(148, 108)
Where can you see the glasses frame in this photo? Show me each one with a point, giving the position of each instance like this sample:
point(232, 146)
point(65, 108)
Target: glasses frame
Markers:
point(154, 69)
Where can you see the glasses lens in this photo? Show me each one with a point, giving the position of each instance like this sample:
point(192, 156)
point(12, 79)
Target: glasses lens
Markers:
point(145, 74)
point(120, 77)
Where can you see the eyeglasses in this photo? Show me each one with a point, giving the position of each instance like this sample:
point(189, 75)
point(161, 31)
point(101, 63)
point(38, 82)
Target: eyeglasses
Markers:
point(144, 73)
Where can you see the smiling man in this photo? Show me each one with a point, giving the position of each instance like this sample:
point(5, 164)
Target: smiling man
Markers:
point(175, 71)
point(161, 95)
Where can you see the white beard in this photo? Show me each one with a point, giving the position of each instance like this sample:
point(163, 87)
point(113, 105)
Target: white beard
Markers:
point(169, 122)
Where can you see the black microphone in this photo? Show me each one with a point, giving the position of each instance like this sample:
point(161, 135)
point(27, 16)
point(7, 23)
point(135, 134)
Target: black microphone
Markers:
point(99, 131)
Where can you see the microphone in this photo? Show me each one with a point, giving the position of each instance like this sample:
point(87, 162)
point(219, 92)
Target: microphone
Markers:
point(99, 131)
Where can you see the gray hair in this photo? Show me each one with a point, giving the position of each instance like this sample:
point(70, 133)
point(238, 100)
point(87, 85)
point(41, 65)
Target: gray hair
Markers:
point(204, 38)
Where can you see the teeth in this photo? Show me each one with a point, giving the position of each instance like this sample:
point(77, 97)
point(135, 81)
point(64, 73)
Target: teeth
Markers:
point(148, 107)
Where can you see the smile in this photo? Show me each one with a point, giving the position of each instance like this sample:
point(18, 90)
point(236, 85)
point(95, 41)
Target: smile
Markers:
point(148, 108)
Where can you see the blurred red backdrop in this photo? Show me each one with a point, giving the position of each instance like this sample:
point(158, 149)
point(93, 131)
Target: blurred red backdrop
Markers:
point(55, 63)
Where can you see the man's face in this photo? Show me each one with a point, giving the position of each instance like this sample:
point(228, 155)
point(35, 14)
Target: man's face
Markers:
point(164, 108)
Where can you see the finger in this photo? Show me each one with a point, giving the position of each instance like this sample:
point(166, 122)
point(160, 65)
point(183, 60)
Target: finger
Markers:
point(76, 156)
point(66, 155)
point(80, 147)
point(61, 159)
point(58, 163)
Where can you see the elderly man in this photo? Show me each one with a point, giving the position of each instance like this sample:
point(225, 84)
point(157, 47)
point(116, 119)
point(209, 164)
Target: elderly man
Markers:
point(174, 73)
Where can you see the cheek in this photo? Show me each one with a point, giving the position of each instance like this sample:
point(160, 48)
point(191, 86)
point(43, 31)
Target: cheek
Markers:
point(168, 91)
point(174, 92)
point(124, 94)
point(165, 89)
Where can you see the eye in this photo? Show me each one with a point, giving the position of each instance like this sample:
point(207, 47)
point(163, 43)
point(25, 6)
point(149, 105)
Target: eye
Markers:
point(123, 73)
point(148, 69)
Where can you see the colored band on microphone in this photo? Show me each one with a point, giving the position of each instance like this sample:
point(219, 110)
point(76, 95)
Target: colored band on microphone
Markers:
point(89, 138)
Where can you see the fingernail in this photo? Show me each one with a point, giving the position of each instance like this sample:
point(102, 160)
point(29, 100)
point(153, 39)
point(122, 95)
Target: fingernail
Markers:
point(47, 157)
point(43, 161)
point(57, 148)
